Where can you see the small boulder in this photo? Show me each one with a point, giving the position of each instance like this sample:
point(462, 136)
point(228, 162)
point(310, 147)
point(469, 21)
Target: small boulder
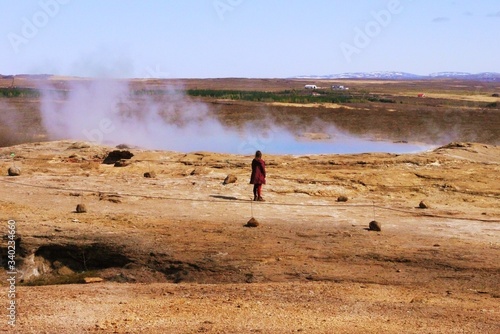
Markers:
point(117, 155)
point(252, 223)
point(150, 175)
point(342, 199)
point(81, 208)
point(375, 226)
point(197, 171)
point(14, 171)
point(230, 179)
point(423, 205)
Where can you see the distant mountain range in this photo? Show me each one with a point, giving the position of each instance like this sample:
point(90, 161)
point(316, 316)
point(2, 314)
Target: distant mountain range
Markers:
point(486, 76)
point(383, 75)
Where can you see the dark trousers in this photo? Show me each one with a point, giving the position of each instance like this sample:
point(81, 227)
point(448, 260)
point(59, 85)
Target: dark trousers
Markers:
point(257, 190)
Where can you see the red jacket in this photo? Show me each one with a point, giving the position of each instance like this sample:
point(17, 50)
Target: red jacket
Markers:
point(258, 172)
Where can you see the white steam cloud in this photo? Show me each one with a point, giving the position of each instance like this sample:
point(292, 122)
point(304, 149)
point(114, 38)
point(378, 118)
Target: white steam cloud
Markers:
point(109, 112)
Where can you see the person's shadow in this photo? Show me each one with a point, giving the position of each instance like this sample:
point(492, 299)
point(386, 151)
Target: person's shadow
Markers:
point(229, 198)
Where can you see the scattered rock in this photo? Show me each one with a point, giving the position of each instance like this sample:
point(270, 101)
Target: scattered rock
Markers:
point(199, 171)
point(423, 205)
point(117, 155)
point(252, 223)
point(150, 175)
point(342, 199)
point(122, 163)
point(230, 179)
point(375, 226)
point(14, 171)
point(195, 171)
point(81, 208)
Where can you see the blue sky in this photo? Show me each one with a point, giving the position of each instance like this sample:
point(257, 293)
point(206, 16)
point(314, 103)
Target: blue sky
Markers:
point(247, 38)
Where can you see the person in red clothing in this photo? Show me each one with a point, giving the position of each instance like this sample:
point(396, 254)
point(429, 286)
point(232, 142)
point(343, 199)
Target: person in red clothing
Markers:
point(258, 177)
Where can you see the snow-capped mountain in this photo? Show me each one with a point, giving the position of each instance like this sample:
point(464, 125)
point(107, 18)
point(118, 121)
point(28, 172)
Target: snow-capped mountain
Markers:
point(449, 75)
point(387, 75)
point(364, 75)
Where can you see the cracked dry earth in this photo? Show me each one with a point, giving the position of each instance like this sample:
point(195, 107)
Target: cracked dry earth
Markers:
point(170, 254)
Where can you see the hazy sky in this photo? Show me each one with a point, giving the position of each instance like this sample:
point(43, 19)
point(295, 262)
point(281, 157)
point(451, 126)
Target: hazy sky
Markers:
point(247, 38)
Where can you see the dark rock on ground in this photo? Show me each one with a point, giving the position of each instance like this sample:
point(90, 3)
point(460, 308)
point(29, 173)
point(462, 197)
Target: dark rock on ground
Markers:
point(230, 179)
point(375, 226)
point(342, 199)
point(14, 171)
point(252, 223)
point(423, 205)
point(150, 175)
point(117, 155)
point(81, 208)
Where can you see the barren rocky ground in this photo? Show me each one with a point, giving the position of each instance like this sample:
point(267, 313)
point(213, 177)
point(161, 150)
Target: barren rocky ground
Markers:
point(171, 254)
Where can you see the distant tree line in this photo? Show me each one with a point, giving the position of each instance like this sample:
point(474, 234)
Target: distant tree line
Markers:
point(286, 96)
point(19, 92)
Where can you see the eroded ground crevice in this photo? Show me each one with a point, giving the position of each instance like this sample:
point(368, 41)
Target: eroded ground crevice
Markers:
point(71, 261)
